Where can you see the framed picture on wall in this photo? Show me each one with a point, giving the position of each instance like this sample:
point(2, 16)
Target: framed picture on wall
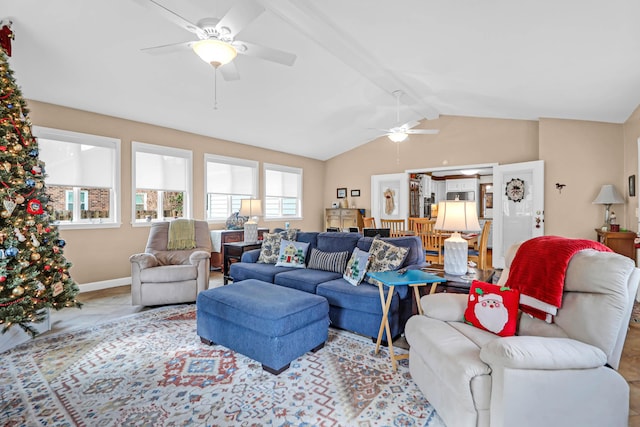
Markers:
point(632, 186)
point(341, 193)
point(355, 193)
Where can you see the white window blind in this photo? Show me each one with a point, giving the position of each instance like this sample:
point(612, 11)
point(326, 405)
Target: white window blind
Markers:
point(231, 176)
point(90, 163)
point(283, 191)
point(228, 180)
point(160, 172)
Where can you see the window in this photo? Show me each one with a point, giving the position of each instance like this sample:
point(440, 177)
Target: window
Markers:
point(83, 168)
point(161, 182)
point(228, 180)
point(283, 191)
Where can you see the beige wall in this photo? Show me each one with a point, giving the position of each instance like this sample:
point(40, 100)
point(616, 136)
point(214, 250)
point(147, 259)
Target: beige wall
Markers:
point(461, 141)
point(582, 155)
point(631, 130)
point(103, 254)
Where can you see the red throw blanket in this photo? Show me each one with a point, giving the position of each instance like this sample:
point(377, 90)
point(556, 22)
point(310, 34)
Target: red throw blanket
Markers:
point(538, 271)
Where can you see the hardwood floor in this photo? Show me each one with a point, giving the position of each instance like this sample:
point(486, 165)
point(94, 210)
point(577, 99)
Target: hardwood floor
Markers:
point(111, 304)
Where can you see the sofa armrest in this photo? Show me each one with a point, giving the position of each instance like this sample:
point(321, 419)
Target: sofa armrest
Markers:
point(250, 256)
point(198, 256)
point(444, 306)
point(144, 260)
point(531, 352)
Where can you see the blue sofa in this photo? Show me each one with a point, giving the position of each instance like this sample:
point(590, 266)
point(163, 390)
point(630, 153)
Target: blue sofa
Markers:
point(354, 308)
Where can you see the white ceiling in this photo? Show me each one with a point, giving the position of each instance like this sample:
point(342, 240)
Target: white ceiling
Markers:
point(526, 59)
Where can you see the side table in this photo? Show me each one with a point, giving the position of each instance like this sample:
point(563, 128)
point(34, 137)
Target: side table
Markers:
point(233, 252)
point(391, 279)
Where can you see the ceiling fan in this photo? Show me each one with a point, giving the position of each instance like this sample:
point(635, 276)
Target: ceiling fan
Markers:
point(217, 44)
point(401, 132)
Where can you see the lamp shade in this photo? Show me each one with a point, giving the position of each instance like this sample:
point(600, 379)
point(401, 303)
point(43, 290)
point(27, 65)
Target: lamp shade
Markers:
point(398, 136)
point(215, 52)
point(454, 215)
point(608, 196)
point(251, 207)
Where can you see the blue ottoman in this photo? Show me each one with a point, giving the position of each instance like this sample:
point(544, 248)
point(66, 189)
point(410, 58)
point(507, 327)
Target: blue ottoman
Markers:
point(268, 323)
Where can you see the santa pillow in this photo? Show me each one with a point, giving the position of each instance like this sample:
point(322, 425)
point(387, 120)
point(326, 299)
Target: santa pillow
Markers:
point(492, 308)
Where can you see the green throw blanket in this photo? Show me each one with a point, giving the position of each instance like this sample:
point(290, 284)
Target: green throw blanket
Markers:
point(182, 234)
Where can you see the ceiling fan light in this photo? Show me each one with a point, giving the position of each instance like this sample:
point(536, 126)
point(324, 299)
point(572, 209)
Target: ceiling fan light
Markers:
point(398, 136)
point(215, 52)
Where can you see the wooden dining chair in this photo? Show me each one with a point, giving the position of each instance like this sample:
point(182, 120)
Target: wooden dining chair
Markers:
point(396, 227)
point(421, 225)
point(369, 222)
point(432, 242)
point(479, 256)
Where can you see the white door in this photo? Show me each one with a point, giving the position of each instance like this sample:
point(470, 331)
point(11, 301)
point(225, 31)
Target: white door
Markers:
point(390, 196)
point(518, 205)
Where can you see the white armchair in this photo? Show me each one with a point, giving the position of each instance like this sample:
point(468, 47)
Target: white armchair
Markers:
point(161, 276)
point(559, 374)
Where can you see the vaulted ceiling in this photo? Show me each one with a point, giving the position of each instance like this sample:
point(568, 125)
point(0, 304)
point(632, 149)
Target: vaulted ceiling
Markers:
point(526, 59)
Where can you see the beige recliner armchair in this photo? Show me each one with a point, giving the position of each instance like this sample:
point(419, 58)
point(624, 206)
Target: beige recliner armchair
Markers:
point(558, 374)
point(162, 276)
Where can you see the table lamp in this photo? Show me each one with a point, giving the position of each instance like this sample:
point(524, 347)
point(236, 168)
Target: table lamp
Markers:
point(608, 196)
point(456, 216)
point(253, 209)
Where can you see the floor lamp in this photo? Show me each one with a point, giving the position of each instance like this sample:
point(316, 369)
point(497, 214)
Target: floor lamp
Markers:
point(253, 209)
point(456, 216)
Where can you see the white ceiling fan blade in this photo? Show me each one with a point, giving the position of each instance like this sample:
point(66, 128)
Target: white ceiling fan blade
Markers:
point(238, 17)
point(409, 125)
point(266, 53)
point(423, 131)
point(173, 17)
point(229, 71)
point(167, 48)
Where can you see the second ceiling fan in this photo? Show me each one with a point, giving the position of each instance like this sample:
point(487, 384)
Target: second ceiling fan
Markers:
point(217, 44)
point(400, 132)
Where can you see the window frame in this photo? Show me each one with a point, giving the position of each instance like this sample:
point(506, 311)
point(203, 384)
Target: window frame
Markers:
point(288, 169)
point(67, 136)
point(161, 150)
point(235, 161)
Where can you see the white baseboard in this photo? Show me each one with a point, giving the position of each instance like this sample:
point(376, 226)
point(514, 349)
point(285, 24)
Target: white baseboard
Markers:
point(105, 284)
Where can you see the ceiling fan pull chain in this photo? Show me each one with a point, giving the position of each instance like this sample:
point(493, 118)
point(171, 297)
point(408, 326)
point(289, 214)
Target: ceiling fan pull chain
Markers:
point(215, 88)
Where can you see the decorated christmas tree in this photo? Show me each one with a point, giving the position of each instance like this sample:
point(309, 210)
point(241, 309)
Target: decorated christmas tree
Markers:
point(34, 275)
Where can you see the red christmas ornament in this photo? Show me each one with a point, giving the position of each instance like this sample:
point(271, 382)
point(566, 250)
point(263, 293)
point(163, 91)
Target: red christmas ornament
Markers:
point(47, 267)
point(6, 35)
point(34, 207)
point(3, 278)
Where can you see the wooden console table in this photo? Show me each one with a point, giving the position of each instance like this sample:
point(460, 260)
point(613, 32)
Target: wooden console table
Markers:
point(622, 242)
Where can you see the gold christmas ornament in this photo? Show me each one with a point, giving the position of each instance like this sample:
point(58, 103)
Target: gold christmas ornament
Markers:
point(19, 199)
point(17, 291)
point(35, 256)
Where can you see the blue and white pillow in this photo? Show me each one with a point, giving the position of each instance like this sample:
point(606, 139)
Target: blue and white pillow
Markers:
point(356, 267)
point(292, 254)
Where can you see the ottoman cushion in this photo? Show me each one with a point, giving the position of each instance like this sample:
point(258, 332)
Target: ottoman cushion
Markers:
point(263, 307)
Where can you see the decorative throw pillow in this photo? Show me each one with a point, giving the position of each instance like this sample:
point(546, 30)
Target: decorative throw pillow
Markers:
point(270, 249)
point(292, 254)
point(492, 308)
point(328, 261)
point(356, 267)
point(385, 256)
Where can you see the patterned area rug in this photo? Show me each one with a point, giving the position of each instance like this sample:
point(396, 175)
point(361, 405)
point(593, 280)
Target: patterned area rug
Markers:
point(635, 313)
point(151, 369)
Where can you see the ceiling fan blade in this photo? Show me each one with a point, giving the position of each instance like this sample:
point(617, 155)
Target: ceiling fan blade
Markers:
point(423, 131)
point(409, 125)
point(267, 53)
point(238, 17)
point(229, 71)
point(173, 17)
point(167, 48)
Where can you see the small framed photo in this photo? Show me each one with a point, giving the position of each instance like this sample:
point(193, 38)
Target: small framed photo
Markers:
point(342, 193)
point(355, 193)
point(632, 186)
